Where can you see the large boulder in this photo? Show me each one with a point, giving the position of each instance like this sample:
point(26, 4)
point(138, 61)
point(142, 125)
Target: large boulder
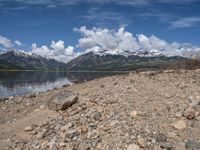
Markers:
point(62, 100)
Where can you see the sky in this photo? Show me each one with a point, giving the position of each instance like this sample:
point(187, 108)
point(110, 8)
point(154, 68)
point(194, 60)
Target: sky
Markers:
point(64, 29)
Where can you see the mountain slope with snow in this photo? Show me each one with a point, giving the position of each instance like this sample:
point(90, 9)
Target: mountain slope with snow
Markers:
point(22, 60)
point(121, 60)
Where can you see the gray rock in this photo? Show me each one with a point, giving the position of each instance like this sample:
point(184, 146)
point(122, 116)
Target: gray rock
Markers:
point(97, 116)
point(62, 101)
point(161, 137)
point(165, 145)
point(190, 144)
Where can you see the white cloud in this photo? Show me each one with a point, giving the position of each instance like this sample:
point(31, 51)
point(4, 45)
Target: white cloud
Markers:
point(98, 39)
point(5, 42)
point(57, 50)
point(18, 43)
point(107, 39)
point(58, 45)
point(185, 22)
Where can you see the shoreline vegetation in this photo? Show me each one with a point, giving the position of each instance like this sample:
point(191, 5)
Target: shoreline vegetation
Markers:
point(147, 110)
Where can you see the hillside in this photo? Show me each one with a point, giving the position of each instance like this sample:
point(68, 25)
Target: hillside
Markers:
point(108, 62)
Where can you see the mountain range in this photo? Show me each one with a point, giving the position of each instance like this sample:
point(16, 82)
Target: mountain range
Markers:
point(17, 60)
point(105, 60)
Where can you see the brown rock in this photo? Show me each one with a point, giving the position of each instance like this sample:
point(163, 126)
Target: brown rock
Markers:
point(28, 128)
point(62, 101)
point(180, 125)
point(141, 142)
point(189, 113)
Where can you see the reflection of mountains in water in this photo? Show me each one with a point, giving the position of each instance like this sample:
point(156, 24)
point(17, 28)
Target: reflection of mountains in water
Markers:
point(11, 79)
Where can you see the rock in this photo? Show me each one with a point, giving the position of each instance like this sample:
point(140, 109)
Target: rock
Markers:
point(83, 146)
point(133, 114)
point(53, 146)
point(189, 113)
point(97, 115)
point(62, 101)
point(4, 99)
point(62, 144)
point(141, 142)
point(66, 85)
point(197, 70)
point(190, 144)
point(32, 96)
point(76, 81)
point(157, 147)
point(161, 137)
point(93, 134)
point(180, 125)
point(28, 128)
point(150, 73)
point(42, 107)
point(83, 129)
point(165, 145)
point(102, 86)
point(169, 71)
point(64, 128)
point(133, 147)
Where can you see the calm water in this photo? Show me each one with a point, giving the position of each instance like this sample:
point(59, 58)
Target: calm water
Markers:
point(19, 83)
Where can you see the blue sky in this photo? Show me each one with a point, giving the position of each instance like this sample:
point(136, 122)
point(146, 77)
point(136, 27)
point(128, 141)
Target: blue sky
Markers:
point(41, 21)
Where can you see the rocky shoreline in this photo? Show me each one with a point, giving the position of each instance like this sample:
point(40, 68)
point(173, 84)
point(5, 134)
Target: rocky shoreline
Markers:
point(139, 111)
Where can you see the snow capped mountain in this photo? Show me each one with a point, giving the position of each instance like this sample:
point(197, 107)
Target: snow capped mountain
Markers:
point(150, 53)
point(15, 59)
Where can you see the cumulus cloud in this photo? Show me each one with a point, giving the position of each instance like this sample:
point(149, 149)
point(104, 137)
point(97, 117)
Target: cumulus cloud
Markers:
point(107, 39)
point(18, 43)
point(57, 50)
point(98, 39)
point(5, 42)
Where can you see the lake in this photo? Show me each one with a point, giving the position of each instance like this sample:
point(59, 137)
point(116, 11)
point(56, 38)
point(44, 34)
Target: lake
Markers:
point(14, 83)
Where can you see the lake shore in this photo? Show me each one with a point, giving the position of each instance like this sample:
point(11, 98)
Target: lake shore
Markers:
point(144, 110)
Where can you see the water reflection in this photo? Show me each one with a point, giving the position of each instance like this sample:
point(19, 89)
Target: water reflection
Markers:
point(18, 83)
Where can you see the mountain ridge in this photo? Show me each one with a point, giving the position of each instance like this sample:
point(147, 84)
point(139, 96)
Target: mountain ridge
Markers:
point(14, 59)
point(105, 60)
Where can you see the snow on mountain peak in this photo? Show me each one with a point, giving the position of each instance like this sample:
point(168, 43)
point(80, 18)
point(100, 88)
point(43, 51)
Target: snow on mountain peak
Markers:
point(141, 53)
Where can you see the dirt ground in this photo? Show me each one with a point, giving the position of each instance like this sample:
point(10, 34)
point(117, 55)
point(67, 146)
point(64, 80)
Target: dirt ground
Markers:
point(145, 110)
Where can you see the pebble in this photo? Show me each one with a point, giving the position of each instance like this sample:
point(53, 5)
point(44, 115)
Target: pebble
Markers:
point(157, 147)
point(180, 125)
point(83, 146)
point(189, 113)
point(53, 146)
point(141, 142)
point(97, 116)
point(165, 145)
point(133, 114)
point(28, 128)
point(192, 145)
point(133, 147)
point(161, 137)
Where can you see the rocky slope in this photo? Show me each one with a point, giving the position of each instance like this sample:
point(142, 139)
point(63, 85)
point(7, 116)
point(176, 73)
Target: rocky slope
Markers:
point(138, 111)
